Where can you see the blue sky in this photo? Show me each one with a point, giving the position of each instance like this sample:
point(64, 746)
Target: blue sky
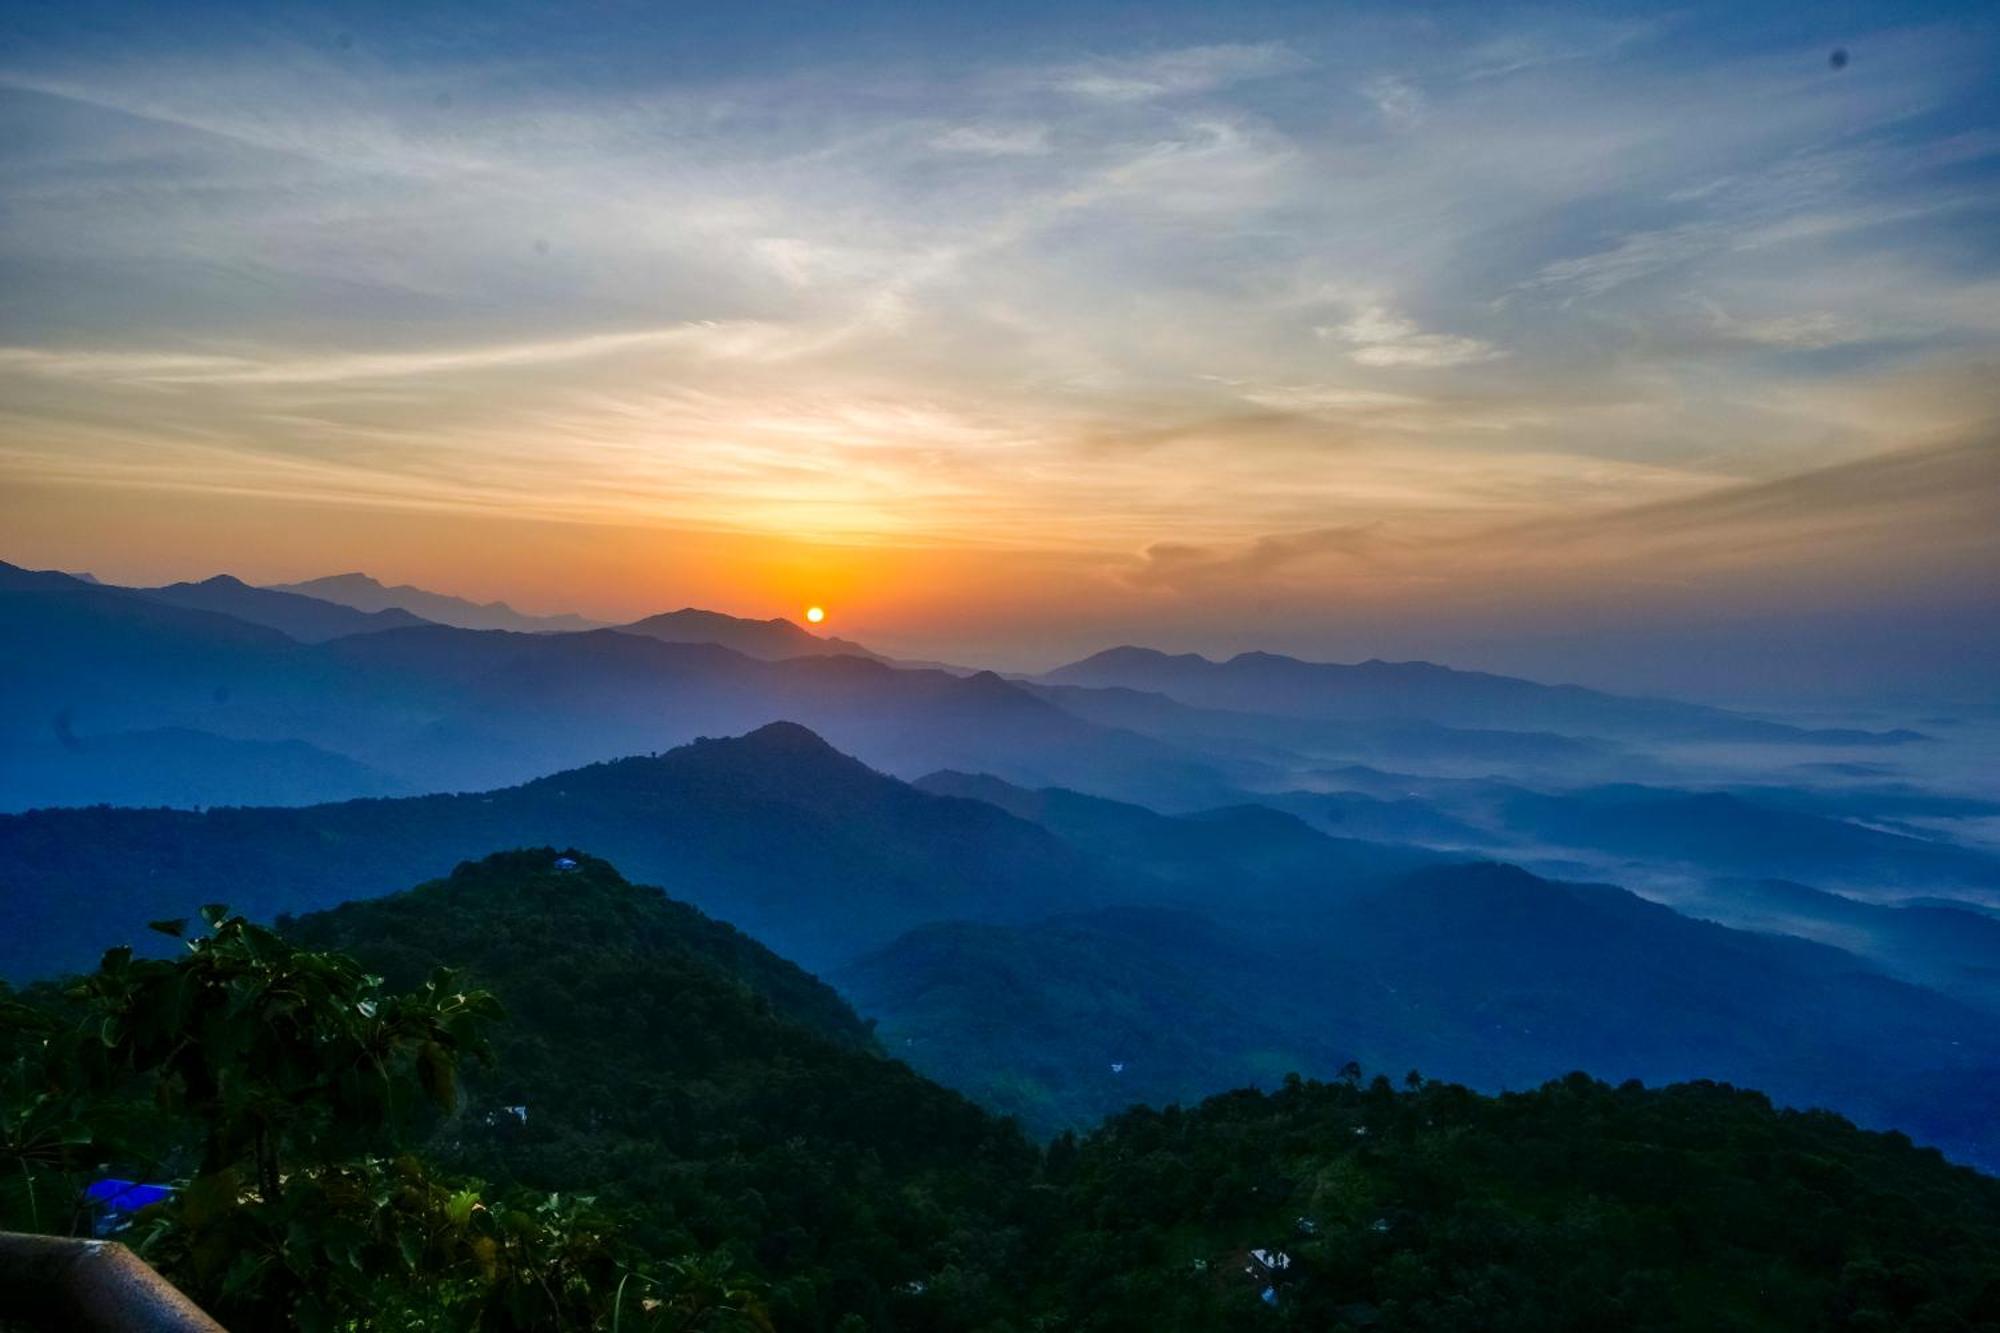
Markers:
point(1384, 312)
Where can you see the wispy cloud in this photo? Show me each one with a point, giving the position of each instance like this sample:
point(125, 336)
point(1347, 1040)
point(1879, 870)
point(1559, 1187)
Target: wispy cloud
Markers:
point(1176, 73)
point(1928, 506)
point(1263, 307)
point(702, 338)
point(1185, 568)
point(1380, 337)
point(1400, 103)
point(994, 140)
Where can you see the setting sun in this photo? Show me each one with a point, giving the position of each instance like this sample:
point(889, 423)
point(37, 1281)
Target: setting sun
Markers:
point(815, 614)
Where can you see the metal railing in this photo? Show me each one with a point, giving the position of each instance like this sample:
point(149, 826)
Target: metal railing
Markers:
point(89, 1286)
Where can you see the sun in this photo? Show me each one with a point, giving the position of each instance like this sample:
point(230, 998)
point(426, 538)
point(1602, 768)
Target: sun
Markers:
point(815, 614)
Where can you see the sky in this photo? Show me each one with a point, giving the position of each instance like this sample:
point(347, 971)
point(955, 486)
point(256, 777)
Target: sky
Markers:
point(1648, 346)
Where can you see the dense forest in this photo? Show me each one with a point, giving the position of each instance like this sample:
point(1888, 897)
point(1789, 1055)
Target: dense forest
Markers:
point(532, 1095)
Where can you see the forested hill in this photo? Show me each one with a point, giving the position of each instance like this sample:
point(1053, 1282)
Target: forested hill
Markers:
point(809, 850)
point(1578, 1207)
point(717, 1101)
point(695, 1082)
point(720, 1096)
point(521, 914)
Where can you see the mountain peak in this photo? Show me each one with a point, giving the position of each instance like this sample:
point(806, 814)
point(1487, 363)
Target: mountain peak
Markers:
point(776, 639)
point(13, 578)
point(789, 739)
point(364, 592)
point(1131, 654)
point(355, 579)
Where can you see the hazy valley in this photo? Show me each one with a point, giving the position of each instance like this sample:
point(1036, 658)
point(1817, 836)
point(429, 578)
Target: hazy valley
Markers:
point(1135, 879)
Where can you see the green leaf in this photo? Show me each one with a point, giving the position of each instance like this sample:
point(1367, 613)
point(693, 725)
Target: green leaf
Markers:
point(459, 1207)
point(174, 926)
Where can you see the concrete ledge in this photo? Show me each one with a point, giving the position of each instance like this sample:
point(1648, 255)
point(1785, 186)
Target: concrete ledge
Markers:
point(89, 1286)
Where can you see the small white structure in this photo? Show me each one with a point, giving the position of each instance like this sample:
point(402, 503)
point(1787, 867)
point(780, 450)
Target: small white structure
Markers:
point(1276, 1261)
point(1117, 1066)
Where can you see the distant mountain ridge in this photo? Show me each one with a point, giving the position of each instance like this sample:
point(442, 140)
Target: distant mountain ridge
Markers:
point(435, 707)
point(1253, 857)
point(365, 593)
point(1228, 945)
point(1481, 972)
point(1378, 691)
point(304, 617)
point(810, 850)
point(772, 640)
point(13, 578)
point(297, 616)
point(1725, 832)
point(1950, 947)
point(179, 766)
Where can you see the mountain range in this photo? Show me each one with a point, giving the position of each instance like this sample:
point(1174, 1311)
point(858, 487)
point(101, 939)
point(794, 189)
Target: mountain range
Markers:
point(716, 1096)
point(432, 707)
point(1482, 973)
point(363, 593)
point(1670, 837)
point(813, 852)
point(307, 619)
point(772, 640)
point(1377, 691)
point(1951, 947)
point(211, 693)
point(1017, 944)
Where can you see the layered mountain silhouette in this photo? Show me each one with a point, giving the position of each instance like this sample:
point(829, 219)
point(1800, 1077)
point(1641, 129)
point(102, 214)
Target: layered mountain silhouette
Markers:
point(13, 578)
point(110, 659)
point(772, 640)
point(1019, 943)
point(305, 618)
point(1723, 832)
point(1377, 691)
point(1235, 859)
point(1267, 735)
point(165, 766)
point(367, 594)
point(1480, 972)
point(1664, 833)
point(432, 707)
point(810, 850)
point(1950, 947)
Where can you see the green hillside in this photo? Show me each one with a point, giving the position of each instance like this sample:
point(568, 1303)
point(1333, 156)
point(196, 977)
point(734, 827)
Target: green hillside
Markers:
point(704, 1109)
point(699, 1084)
point(1579, 1206)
